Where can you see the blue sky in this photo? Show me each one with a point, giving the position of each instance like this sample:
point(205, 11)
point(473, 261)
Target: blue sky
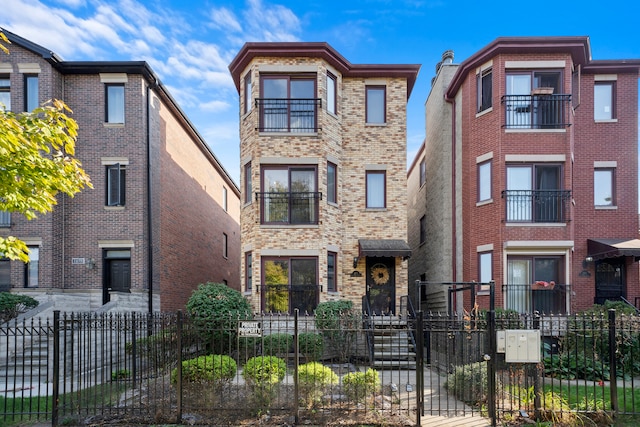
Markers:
point(190, 43)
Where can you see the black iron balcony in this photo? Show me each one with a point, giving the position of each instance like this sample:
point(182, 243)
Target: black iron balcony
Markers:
point(288, 114)
point(289, 207)
point(543, 297)
point(286, 298)
point(536, 111)
point(537, 205)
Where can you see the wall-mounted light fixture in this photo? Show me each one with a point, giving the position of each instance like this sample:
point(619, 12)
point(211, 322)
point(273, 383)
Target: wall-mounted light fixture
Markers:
point(356, 273)
point(90, 263)
point(355, 261)
point(588, 259)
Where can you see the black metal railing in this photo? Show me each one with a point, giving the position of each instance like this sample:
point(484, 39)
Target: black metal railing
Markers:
point(289, 207)
point(288, 114)
point(537, 205)
point(536, 111)
point(531, 298)
point(280, 298)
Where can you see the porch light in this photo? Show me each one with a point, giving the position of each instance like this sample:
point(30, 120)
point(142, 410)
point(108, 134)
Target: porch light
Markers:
point(355, 261)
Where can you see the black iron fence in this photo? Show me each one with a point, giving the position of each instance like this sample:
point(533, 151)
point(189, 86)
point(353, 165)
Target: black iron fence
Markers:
point(82, 368)
point(544, 298)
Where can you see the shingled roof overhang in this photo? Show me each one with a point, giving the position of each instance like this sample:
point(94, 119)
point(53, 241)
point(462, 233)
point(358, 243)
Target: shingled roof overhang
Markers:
point(577, 46)
point(322, 50)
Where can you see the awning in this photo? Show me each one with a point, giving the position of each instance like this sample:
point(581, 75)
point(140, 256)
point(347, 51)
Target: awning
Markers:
point(384, 248)
point(613, 248)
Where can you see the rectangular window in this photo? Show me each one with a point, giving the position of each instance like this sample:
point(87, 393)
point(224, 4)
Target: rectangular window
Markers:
point(288, 104)
point(331, 93)
point(331, 272)
point(376, 189)
point(534, 193)
point(484, 181)
point(114, 94)
point(485, 273)
point(289, 284)
point(224, 199)
point(603, 100)
point(376, 104)
point(31, 269)
point(535, 100)
point(5, 92)
point(603, 187)
point(5, 275)
point(291, 195)
point(332, 181)
point(423, 172)
point(248, 271)
point(423, 229)
point(524, 296)
point(225, 245)
point(116, 185)
point(247, 92)
point(31, 96)
point(5, 219)
point(485, 90)
point(247, 183)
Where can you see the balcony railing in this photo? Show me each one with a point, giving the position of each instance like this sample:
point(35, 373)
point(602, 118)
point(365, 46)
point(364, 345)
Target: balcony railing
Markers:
point(536, 111)
point(286, 298)
point(288, 114)
point(527, 299)
point(537, 205)
point(289, 208)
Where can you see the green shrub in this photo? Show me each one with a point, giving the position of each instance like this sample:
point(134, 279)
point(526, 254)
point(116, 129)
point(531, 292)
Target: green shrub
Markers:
point(358, 386)
point(339, 322)
point(313, 379)
point(120, 374)
point(469, 383)
point(311, 345)
point(263, 374)
point(248, 347)
point(12, 305)
point(277, 343)
point(215, 310)
point(264, 370)
point(213, 368)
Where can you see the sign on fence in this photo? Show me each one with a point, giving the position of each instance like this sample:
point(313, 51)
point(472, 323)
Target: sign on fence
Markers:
point(249, 328)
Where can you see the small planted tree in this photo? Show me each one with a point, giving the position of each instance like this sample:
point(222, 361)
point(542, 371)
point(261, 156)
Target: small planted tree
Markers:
point(12, 305)
point(339, 323)
point(263, 374)
point(313, 379)
point(215, 310)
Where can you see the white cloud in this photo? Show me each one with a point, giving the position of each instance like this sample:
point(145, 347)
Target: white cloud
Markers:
point(270, 23)
point(215, 106)
point(224, 19)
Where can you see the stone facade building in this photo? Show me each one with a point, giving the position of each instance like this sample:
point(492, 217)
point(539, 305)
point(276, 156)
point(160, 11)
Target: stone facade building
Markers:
point(323, 155)
point(536, 175)
point(163, 215)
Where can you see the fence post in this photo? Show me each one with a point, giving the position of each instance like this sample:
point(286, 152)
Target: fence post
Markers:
point(419, 334)
point(134, 353)
point(491, 362)
point(179, 367)
point(537, 374)
point(56, 368)
point(296, 390)
point(613, 371)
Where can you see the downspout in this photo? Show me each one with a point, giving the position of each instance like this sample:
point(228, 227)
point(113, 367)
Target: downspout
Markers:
point(149, 204)
point(454, 252)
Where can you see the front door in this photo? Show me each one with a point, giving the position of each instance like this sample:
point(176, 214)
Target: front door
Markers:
point(381, 285)
point(610, 280)
point(117, 273)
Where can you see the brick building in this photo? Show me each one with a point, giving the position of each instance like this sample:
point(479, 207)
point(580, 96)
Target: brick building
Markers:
point(529, 177)
point(163, 215)
point(323, 155)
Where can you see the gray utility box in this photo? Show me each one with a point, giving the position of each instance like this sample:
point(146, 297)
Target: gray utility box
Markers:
point(519, 346)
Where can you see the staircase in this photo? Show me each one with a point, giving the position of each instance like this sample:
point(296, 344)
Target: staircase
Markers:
point(391, 343)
